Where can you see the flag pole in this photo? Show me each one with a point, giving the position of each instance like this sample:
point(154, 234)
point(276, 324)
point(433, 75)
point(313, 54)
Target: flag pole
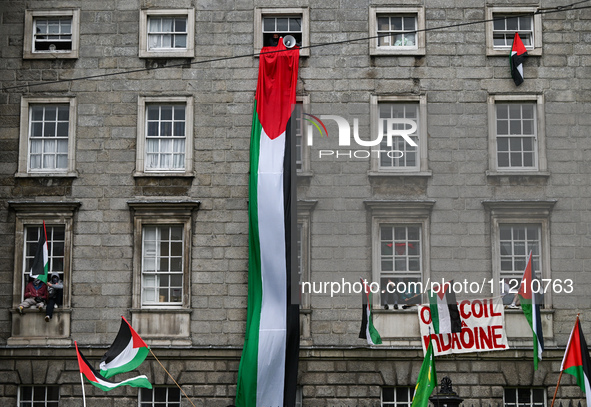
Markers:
point(560, 376)
point(177, 385)
point(556, 391)
point(83, 395)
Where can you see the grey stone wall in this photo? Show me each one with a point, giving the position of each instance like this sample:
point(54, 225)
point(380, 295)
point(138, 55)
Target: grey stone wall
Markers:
point(455, 75)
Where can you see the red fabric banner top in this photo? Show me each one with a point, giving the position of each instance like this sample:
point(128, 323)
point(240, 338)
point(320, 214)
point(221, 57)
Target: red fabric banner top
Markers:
point(276, 89)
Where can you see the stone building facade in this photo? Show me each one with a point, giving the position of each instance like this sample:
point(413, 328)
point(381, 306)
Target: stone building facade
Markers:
point(125, 127)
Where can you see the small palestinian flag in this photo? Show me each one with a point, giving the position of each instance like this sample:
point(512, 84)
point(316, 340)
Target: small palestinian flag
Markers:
point(444, 310)
point(40, 267)
point(518, 54)
point(530, 304)
point(576, 360)
point(126, 353)
point(101, 382)
point(368, 330)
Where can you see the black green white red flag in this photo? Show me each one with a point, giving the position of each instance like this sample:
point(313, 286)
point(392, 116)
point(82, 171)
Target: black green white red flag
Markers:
point(268, 368)
point(576, 360)
point(444, 310)
point(530, 304)
point(127, 352)
point(40, 267)
point(516, 58)
point(101, 382)
point(368, 330)
point(426, 381)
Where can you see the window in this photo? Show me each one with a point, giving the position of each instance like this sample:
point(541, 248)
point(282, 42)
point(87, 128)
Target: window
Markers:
point(301, 128)
point(400, 236)
point(399, 158)
point(400, 261)
point(59, 220)
point(160, 397)
point(517, 136)
point(397, 31)
point(165, 136)
point(397, 396)
point(167, 33)
point(47, 137)
point(162, 265)
point(38, 396)
point(161, 295)
point(524, 397)
point(504, 22)
point(299, 401)
point(51, 34)
point(516, 241)
point(56, 239)
point(304, 210)
point(517, 228)
point(271, 23)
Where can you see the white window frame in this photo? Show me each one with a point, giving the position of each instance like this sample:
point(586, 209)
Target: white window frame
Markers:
point(522, 213)
point(517, 273)
point(375, 12)
point(402, 213)
point(50, 228)
point(421, 169)
point(304, 216)
point(21, 402)
point(33, 214)
point(260, 13)
point(304, 170)
point(396, 403)
point(143, 101)
point(540, 137)
point(166, 403)
point(531, 390)
point(496, 12)
point(162, 213)
point(188, 52)
point(24, 147)
point(28, 40)
point(156, 257)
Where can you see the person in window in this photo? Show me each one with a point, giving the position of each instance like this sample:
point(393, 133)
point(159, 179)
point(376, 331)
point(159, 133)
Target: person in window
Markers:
point(35, 295)
point(55, 293)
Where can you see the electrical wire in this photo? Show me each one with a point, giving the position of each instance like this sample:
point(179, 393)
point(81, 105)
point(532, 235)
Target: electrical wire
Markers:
point(551, 10)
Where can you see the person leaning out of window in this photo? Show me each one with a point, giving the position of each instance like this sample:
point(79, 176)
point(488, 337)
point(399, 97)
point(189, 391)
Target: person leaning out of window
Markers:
point(35, 295)
point(55, 293)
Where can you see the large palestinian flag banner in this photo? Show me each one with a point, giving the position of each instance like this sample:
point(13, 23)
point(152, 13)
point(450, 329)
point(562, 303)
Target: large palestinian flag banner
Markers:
point(101, 382)
point(127, 352)
point(268, 367)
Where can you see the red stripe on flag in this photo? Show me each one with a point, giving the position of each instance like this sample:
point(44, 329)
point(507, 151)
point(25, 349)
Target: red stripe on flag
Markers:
point(138, 342)
point(275, 97)
point(84, 368)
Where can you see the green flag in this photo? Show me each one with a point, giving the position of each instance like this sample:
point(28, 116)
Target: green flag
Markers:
point(427, 380)
point(40, 267)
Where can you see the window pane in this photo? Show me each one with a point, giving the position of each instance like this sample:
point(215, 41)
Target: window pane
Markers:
point(409, 23)
point(282, 24)
point(512, 24)
point(525, 23)
point(295, 24)
point(180, 25)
